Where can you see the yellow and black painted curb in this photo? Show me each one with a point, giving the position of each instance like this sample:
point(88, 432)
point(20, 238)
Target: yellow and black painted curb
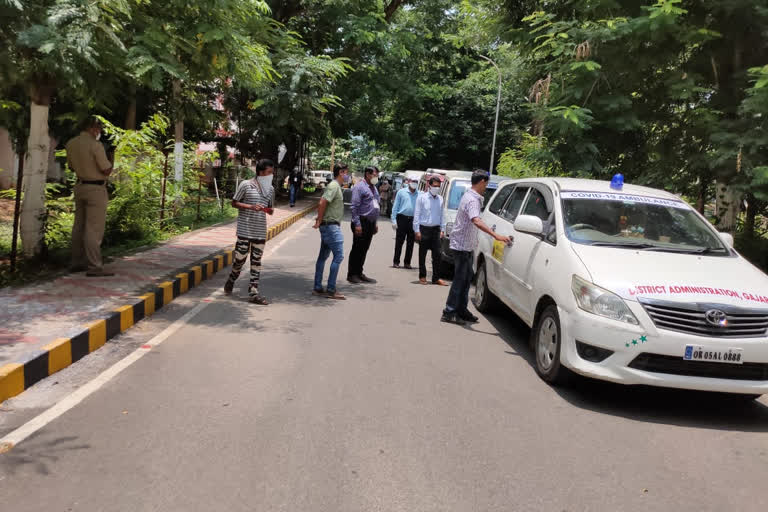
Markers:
point(18, 376)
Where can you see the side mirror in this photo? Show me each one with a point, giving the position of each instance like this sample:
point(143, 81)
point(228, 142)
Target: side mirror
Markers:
point(529, 224)
point(727, 238)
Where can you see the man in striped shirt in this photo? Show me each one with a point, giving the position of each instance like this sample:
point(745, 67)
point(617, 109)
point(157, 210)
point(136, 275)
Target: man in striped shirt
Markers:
point(463, 244)
point(254, 199)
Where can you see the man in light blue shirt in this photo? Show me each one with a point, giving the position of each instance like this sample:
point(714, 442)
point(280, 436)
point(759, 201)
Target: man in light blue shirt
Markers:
point(402, 222)
point(429, 226)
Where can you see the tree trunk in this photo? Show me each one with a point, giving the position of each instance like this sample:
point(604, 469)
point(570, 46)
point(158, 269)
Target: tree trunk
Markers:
point(35, 172)
point(749, 220)
point(333, 152)
point(701, 203)
point(130, 116)
point(6, 159)
point(178, 150)
point(727, 208)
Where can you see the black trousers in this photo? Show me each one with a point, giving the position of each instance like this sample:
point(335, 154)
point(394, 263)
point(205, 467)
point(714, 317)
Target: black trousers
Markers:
point(430, 241)
point(404, 232)
point(360, 246)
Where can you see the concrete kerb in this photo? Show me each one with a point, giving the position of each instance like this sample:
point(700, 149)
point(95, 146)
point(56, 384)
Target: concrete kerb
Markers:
point(20, 375)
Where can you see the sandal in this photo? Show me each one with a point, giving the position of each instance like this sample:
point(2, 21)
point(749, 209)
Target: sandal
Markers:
point(258, 299)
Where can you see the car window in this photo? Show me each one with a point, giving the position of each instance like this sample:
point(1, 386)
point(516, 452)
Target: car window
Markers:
point(552, 233)
point(512, 208)
point(537, 205)
point(658, 223)
point(497, 203)
point(458, 187)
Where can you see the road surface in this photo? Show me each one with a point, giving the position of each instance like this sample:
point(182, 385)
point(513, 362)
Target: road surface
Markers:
point(366, 405)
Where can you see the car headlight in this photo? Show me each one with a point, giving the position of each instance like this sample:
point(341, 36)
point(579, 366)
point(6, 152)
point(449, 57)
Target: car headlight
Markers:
point(601, 302)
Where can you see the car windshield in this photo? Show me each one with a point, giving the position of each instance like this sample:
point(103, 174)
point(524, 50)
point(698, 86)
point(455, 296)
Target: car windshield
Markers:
point(641, 222)
point(458, 187)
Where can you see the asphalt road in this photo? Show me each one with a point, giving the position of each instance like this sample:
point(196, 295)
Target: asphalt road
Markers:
point(366, 405)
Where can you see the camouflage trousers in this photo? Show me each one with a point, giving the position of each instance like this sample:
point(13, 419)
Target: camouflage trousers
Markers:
point(242, 248)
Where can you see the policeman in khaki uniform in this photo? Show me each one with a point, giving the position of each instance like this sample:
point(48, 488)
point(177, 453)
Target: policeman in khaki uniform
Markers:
point(86, 156)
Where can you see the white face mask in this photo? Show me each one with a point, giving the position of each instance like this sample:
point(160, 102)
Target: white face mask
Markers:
point(374, 180)
point(265, 181)
point(434, 190)
point(412, 186)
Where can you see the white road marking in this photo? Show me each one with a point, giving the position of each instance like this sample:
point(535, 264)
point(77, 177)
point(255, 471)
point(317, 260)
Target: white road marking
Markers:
point(20, 434)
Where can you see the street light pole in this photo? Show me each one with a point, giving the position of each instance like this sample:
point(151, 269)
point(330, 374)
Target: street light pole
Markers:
point(498, 108)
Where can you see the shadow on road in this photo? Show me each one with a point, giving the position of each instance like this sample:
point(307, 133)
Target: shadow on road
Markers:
point(641, 403)
point(39, 455)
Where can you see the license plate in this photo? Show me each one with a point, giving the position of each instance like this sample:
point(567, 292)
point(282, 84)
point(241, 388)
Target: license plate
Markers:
point(498, 250)
point(697, 353)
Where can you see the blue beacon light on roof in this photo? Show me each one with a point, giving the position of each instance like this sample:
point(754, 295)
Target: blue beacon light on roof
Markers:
point(617, 183)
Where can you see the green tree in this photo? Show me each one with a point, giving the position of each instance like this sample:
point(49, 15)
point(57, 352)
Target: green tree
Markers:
point(62, 45)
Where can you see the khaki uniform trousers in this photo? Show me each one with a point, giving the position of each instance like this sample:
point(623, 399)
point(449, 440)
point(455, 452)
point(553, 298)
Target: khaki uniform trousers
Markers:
point(88, 230)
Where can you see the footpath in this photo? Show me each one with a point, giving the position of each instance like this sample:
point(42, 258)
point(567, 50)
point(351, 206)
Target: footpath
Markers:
point(47, 326)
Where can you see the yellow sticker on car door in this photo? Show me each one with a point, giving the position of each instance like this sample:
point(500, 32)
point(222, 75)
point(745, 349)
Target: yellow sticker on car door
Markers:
point(498, 251)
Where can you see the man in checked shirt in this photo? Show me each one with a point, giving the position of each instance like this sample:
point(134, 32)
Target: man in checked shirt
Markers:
point(463, 244)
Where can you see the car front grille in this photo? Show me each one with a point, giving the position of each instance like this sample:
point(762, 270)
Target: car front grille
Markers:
point(692, 319)
point(657, 363)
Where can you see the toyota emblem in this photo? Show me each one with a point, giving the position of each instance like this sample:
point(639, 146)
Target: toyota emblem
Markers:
point(716, 317)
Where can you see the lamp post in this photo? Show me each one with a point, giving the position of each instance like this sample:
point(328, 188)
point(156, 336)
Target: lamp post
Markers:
point(498, 108)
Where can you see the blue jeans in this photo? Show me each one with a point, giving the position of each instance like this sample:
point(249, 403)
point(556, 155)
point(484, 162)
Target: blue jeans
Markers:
point(292, 193)
point(331, 241)
point(458, 297)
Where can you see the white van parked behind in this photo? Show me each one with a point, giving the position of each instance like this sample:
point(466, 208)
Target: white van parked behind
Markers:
point(625, 284)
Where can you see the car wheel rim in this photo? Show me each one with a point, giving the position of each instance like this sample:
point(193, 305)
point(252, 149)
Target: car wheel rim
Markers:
point(547, 343)
point(480, 287)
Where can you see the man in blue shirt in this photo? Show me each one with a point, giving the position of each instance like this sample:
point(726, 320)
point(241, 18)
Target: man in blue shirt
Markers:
point(402, 222)
point(365, 214)
point(429, 226)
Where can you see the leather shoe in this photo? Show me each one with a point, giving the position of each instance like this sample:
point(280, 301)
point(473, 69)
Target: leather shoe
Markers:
point(407, 267)
point(452, 318)
point(440, 282)
point(354, 279)
point(364, 278)
point(469, 317)
point(228, 287)
point(422, 280)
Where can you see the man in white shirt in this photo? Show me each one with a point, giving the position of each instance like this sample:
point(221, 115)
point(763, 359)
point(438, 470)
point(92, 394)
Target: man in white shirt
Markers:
point(429, 226)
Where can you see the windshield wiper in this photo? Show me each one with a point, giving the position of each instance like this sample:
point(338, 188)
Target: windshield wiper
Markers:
point(702, 250)
point(628, 245)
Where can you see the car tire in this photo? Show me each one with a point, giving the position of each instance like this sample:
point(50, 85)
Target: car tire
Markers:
point(484, 299)
point(547, 344)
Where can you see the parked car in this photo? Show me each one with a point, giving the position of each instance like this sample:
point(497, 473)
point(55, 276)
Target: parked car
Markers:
point(319, 178)
point(626, 284)
point(452, 188)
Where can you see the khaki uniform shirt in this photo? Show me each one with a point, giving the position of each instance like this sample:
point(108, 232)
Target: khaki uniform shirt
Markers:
point(86, 156)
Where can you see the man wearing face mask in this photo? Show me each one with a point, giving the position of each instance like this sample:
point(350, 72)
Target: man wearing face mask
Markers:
point(429, 226)
point(253, 199)
point(402, 222)
point(87, 158)
point(365, 213)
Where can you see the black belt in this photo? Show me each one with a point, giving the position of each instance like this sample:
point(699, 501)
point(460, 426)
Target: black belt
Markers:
point(406, 216)
point(86, 182)
point(334, 223)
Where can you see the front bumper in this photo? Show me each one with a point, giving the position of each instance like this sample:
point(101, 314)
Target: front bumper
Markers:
point(647, 339)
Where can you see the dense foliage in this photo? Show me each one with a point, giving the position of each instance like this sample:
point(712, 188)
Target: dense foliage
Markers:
point(671, 93)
